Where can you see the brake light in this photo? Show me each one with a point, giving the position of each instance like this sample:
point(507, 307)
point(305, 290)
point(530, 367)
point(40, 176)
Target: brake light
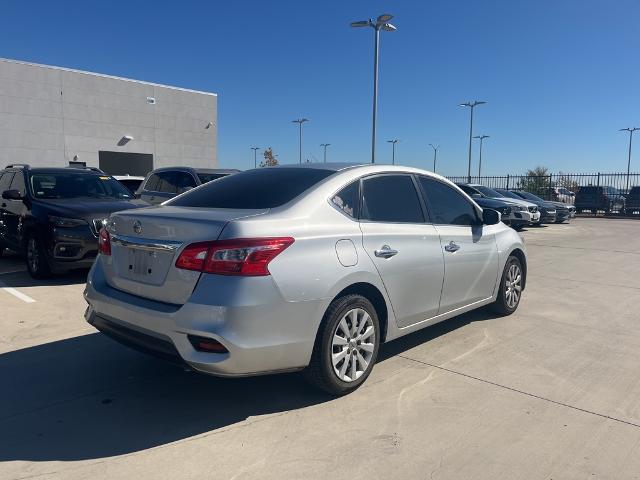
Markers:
point(104, 242)
point(241, 256)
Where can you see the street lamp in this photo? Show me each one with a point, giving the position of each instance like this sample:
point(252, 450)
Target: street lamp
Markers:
point(325, 145)
point(255, 158)
point(393, 150)
point(435, 154)
point(300, 121)
point(471, 106)
point(630, 130)
point(481, 137)
point(381, 23)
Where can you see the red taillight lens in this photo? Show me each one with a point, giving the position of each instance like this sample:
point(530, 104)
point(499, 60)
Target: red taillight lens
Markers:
point(242, 256)
point(104, 242)
point(203, 344)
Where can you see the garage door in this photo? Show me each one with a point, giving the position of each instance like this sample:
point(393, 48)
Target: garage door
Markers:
point(125, 163)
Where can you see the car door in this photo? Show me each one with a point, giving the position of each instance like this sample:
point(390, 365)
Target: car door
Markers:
point(404, 248)
point(469, 248)
point(5, 181)
point(14, 210)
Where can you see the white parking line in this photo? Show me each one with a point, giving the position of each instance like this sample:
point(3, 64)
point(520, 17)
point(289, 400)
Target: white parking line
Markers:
point(16, 293)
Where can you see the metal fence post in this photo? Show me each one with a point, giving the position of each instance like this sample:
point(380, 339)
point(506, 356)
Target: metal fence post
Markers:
point(598, 184)
point(507, 181)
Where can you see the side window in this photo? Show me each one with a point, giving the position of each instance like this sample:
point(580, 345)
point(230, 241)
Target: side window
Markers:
point(152, 183)
point(446, 205)
point(167, 182)
point(391, 198)
point(346, 200)
point(5, 181)
point(18, 183)
point(183, 180)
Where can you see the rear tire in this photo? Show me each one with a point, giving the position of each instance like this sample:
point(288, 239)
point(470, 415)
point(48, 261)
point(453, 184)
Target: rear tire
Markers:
point(346, 346)
point(36, 258)
point(510, 288)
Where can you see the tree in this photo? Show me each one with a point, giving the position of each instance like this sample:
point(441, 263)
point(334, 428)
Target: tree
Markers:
point(270, 159)
point(537, 181)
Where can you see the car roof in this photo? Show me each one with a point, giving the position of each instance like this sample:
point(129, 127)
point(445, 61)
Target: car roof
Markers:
point(194, 170)
point(58, 170)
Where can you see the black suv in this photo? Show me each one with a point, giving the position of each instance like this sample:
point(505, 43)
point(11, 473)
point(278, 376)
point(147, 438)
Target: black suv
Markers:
point(53, 215)
point(593, 199)
point(164, 183)
point(633, 201)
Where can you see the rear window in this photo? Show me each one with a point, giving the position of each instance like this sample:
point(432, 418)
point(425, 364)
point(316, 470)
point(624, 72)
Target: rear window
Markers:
point(207, 177)
point(253, 189)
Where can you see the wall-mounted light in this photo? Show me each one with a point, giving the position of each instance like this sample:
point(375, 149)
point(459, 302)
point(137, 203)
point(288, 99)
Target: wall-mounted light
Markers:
point(151, 100)
point(209, 125)
point(124, 140)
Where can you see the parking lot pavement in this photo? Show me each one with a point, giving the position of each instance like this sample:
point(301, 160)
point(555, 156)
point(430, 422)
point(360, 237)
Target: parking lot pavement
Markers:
point(550, 392)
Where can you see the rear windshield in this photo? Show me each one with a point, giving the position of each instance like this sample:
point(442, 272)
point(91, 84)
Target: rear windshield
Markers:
point(253, 189)
point(207, 177)
point(76, 185)
point(488, 192)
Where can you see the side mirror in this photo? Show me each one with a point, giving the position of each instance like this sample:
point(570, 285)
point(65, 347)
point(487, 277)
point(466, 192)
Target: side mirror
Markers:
point(12, 195)
point(476, 195)
point(490, 217)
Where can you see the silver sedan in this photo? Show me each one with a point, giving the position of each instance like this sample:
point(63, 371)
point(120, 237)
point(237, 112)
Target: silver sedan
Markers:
point(300, 268)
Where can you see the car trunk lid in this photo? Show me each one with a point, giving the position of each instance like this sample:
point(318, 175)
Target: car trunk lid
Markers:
point(146, 243)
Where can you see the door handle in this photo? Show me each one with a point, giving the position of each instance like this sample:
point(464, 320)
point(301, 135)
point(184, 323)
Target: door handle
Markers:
point(452, 247)
point(385, 252)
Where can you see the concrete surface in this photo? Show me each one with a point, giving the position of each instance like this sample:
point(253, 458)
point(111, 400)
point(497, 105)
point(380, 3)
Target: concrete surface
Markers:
point(551, 392)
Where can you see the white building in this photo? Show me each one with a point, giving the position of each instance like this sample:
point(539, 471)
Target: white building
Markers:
point(50, 116)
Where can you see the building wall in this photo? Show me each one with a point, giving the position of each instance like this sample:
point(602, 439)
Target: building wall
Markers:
point(48, 115)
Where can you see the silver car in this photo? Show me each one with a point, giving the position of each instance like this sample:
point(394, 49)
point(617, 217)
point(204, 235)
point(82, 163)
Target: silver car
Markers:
point(300, 268)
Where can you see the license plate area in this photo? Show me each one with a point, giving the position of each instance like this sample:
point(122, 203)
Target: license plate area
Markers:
point(143, 265)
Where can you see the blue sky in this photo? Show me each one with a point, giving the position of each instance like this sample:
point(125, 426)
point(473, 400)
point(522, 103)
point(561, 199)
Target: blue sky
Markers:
point(560, 77)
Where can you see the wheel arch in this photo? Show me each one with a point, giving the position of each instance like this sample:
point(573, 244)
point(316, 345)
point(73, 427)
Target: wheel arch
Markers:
point(374, 295)
point(520, 255)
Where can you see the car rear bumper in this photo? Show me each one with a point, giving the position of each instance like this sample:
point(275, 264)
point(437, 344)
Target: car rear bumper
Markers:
point(263, 335)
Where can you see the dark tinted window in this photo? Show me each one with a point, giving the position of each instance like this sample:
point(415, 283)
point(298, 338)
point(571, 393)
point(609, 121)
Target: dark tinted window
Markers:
point(347, 199)
point(5, 181)
point(167, 182)
point(207, 177)
point(260, 188)
point(446, 205)
point(390, 198)
point(18, 183)
point(76, 185)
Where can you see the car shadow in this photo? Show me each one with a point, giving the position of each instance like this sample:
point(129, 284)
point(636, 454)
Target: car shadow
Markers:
point(17, 279)
point(88, 397)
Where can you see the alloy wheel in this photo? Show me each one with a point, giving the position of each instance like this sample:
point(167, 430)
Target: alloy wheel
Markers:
point(352, 346)
point(513, 285)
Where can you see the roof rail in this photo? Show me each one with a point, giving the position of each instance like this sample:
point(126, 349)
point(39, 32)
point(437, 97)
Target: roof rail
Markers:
point(18, 165)
point(82, 167)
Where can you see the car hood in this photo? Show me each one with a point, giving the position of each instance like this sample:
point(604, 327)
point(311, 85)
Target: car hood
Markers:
point(486, 202)
point(83, 208)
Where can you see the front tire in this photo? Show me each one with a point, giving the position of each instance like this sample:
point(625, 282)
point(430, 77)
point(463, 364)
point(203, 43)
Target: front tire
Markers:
point(510, 288)
point(346, 346)
point(36, 259)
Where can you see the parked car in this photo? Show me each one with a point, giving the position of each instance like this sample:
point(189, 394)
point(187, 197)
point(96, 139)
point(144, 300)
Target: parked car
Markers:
point(607, 199)
point(300, 267)
point(165, 183)
point(522, 213)
point(548, 211)
point(53, 215)
point(534, 208)
point(564, 195)
point(632, 204)
point(132, 182)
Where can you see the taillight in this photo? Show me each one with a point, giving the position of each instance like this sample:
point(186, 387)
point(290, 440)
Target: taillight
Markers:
point(104, 242)
point(242, 256)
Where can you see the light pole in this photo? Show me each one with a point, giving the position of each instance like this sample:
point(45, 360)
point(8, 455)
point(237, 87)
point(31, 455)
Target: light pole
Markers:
point(255, 157)
point(300, 121)
point(630, 130)
point(435, 154)
point(471, 106)
point(481, 137)
point(325, 145)
point(381, 23)
point(393, 150)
